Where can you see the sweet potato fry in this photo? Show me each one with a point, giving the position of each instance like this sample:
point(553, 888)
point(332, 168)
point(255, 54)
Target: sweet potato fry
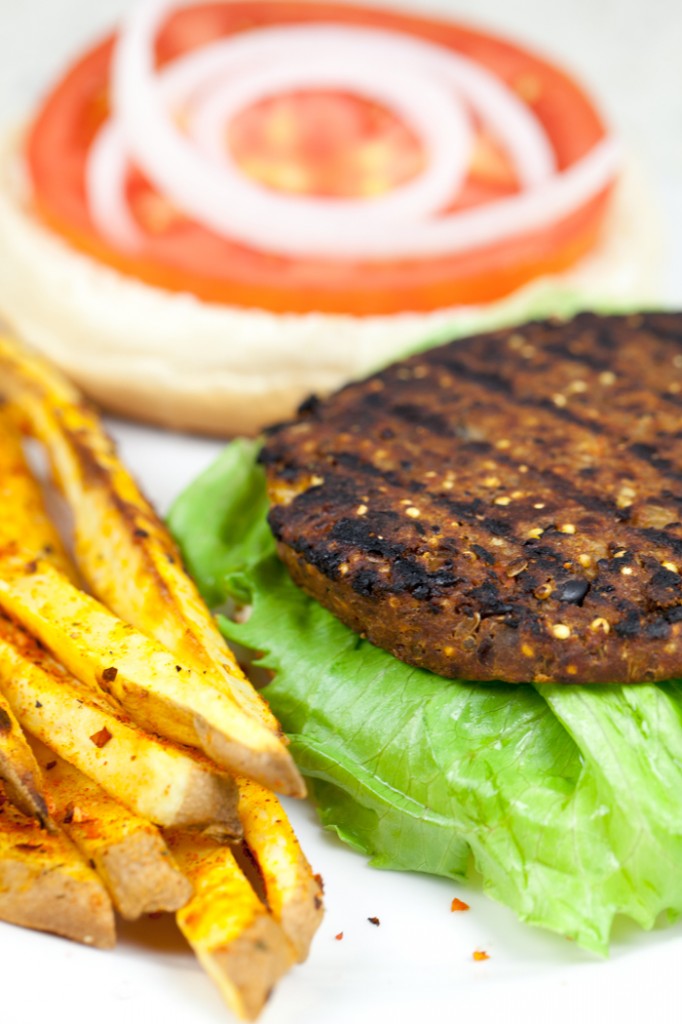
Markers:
point(293, 893)
point(238, 943)
point(129, 560)
point(115, 523)
point(46, 885)
point(18, 768)
point(157, 692)
point(24, 523)
point(127, 851)
point(152, 777)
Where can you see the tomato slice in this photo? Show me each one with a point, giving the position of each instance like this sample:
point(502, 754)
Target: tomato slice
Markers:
point(282, 143)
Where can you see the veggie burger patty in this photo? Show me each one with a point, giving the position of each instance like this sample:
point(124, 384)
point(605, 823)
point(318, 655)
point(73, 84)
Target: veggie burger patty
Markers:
point(504, 507)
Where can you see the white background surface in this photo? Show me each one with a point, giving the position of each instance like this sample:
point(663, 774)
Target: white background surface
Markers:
point(417, 966)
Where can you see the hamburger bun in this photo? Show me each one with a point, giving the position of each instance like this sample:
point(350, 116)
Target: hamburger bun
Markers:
point(177, 361)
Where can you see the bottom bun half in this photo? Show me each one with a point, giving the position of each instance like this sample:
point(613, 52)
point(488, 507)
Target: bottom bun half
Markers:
point(173, 360)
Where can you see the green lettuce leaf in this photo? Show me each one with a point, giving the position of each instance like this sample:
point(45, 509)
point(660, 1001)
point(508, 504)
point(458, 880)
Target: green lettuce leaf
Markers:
point(567, 800)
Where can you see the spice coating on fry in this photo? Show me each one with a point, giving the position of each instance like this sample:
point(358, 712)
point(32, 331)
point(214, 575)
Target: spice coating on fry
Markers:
point(521, 503)
point(116, 778)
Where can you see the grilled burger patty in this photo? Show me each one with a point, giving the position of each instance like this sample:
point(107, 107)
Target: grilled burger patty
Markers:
point(504, 507)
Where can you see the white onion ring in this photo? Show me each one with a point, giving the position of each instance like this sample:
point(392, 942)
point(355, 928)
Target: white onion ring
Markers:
point(217, 194)
point(105, 176)
point(500, 109)
point(447, 157)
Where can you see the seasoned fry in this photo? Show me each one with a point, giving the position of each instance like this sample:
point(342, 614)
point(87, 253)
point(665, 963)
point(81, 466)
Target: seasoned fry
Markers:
point(240, 946)
point(24, 523)
point(293, 893)
point(18, 768)
point(176, 677)
point(152, 777)
point(157, 692)
point(45, 884)
point(127, 851)
point(114, 522)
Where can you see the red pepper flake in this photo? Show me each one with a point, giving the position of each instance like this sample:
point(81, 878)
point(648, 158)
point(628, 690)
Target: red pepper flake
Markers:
point(101, 738)
point(109, 674)
point(339, 937)
point(50, 765)
point(480, 954)
point(374, 920)
point(320, 881)
point(458, 904)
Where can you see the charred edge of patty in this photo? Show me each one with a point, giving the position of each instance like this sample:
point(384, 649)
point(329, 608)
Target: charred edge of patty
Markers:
point(483, 619)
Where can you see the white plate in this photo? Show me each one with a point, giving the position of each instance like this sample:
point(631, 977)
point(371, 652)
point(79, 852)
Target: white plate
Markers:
point(417, 965)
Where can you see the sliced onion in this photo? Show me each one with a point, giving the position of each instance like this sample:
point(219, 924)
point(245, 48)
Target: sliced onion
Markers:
point(433, 113)
point(226, 200)
point(219, 79)
point(500, 109)
point(105, 177)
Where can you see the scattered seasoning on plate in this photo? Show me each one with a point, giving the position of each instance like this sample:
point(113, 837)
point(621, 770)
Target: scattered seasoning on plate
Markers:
point(339, 936)
point(458, 904)
point(374, 920)
point(480, 954)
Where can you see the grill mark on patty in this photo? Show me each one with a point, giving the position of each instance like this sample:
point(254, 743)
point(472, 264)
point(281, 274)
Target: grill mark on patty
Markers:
point(593, 361)
point(667, 328)
point(470, 511)
point(461, 579)
point(495, 384)
point(486, 599)
point(492, 384)
point(645, 453)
